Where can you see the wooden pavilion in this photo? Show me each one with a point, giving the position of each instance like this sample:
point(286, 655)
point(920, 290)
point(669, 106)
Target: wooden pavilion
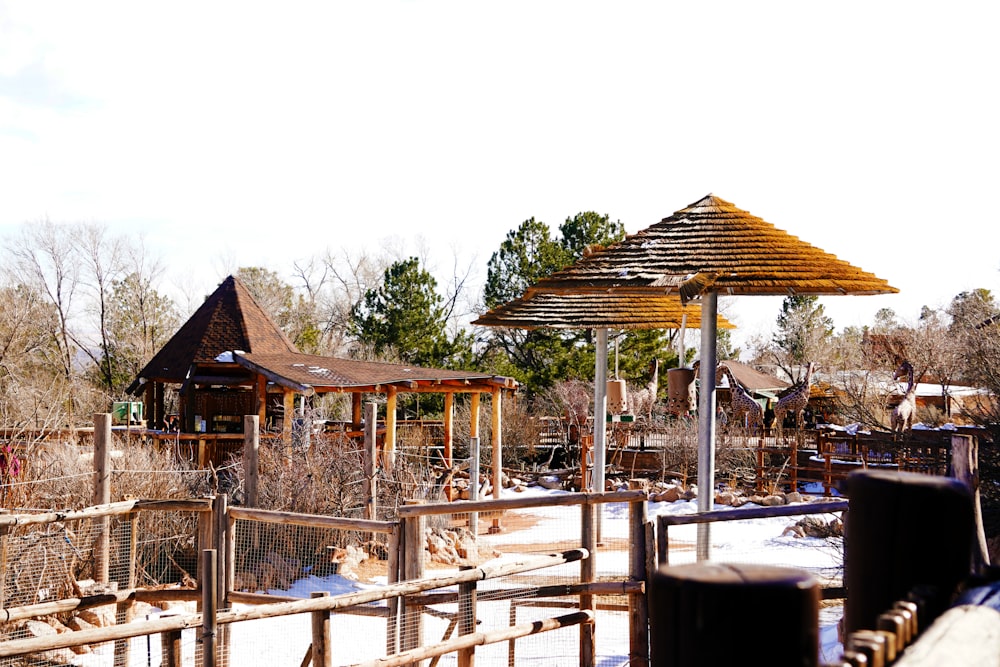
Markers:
point(230, 359)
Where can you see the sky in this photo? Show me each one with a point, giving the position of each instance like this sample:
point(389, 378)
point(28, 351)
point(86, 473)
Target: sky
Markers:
point(260, 134)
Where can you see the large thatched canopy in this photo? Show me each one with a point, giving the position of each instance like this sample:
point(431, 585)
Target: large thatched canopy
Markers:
point(712, 244)
point(708, 248)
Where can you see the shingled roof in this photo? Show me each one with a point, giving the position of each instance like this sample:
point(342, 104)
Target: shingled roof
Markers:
point(229, 319)
point(307, 373)
point(713, 244)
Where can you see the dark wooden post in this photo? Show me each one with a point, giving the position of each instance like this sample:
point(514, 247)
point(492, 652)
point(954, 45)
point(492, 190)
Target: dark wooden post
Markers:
point(466, 619)
point(102, 494)
point(251, 458)
point(392, 620)
point(412, 629)
point(638, 613)
point(965, 468)
point(905, 530)
point(588, 570)
point(321, 636)
point(209, 607)
point(370, 484)
point(691, 607)
point(125, 611)
point(171, 648)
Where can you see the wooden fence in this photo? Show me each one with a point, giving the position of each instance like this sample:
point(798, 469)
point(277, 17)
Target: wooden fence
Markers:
point(406, 596)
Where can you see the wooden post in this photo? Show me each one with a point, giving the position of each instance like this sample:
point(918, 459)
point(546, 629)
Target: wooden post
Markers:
point(209, 607)
point(662, 542)
point(102, 494)
point(262, 401)
point(126, 610)
point(497, 433)
point(288, 411)
point(389, 453)
point(588, 538)
point(251, 458)
point(220, 544)
point(356, 406)
point(965, 468)
point(322, 656)
point(370, 484)
point(413, 568)
point(206, 538)
point(392, 619)
point(4, 530)
point(466, 619)
point(637, 611)
point(474, 483)
point(171, 648)
point(474, 415)
point(449, 418)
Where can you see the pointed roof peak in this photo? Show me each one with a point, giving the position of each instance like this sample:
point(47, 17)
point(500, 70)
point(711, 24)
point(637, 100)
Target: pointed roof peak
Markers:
point(229, 319)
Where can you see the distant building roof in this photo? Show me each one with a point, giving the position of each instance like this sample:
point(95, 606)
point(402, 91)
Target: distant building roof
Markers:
point(752, 379)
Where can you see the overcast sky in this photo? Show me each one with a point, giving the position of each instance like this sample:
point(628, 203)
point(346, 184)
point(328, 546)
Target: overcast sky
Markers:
point(249, 133)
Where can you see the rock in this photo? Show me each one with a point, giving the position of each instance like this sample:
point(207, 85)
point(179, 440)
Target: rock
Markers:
point(37, 628)
point(101, 617)
point(773, 501)
point(77, 623)
point(793, 497)
point(550, 482)
point(690, 494)
point(670, 495)
point(725, 498)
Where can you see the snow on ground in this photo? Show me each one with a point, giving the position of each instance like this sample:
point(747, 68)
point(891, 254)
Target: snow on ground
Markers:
point(283, 641)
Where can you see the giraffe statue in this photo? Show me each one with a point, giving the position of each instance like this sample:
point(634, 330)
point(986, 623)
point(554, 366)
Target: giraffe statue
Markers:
point(741, 403)
point(795, 401)
point(901, 419)
point(642, 400)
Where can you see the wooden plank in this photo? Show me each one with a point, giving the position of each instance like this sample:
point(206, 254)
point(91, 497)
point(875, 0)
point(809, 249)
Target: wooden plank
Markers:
point(562, 500)
point(964, 635)
point(581, 618)
point(738, 514)
point(315, 520)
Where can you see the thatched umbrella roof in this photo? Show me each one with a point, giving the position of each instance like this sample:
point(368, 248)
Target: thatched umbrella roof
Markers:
point(596, 311)
point(706, 249)
point(712, 244)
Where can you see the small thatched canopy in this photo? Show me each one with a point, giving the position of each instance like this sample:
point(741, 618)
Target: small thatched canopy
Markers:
point(595, 311)
point(712, 244)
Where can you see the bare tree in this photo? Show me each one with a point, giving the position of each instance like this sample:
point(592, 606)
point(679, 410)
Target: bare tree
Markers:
point(102, 257)
point(44, 258)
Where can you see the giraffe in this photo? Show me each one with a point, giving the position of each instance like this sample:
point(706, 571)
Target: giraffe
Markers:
point(901, 419)
point(741, 403)
point(795, 401)
point(642, 400)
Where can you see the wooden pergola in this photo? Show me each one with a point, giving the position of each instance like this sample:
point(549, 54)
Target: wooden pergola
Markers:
point(230, 360)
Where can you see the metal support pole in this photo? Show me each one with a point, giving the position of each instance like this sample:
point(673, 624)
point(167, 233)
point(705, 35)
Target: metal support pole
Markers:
point(706, 419)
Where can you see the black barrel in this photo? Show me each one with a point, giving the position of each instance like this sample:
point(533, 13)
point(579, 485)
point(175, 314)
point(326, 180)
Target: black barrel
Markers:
point(733, 614)
point(905, 532)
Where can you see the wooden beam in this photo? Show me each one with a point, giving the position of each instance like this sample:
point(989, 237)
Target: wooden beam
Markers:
point(356, 410)
point(389, 453)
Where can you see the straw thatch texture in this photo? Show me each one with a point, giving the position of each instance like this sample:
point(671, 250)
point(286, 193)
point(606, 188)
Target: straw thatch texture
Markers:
point(596, 311)
point(713, 244)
